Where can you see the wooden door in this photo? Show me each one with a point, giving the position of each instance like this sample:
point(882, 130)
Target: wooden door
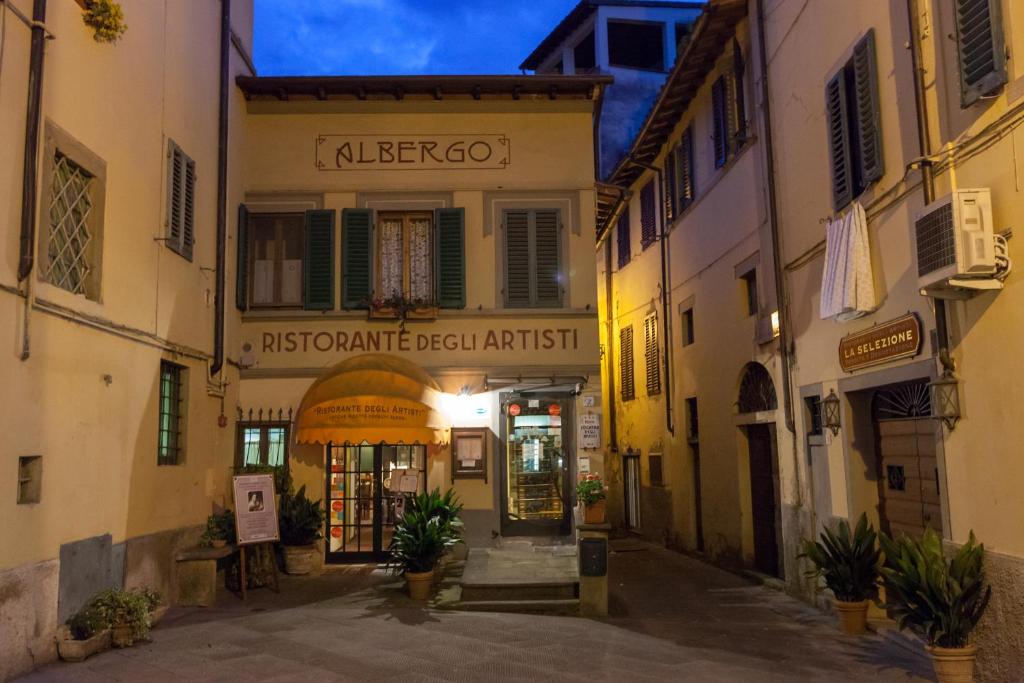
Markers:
point(909, 476)
point(762, 494)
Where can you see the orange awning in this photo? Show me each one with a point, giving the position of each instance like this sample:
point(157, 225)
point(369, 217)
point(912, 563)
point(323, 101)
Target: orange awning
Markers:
point(372, 398)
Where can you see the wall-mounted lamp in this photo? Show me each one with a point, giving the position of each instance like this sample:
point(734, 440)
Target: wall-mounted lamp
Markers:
point(830, 412)
point(944, 393)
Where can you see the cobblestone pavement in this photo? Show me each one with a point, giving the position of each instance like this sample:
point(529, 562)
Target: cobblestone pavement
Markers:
point(673, 618)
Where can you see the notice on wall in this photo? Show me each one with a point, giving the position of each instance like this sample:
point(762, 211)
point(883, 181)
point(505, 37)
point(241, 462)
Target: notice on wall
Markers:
point(583, 465)
point(255, 509)
point(399, 152)
point(590, 431)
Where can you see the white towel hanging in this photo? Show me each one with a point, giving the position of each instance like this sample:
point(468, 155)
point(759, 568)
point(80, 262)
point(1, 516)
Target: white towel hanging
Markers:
point(847, 280)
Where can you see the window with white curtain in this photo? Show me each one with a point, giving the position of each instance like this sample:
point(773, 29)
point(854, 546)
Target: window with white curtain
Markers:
point(405, 257)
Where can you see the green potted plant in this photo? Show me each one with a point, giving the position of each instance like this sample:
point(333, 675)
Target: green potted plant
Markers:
point(154, 602)
point(127, 612)
point(849, 564)
point(445, 507)
point(938, 599)
point(105, 18)
point(592, 492)
point(427, 529)
point(301, 523)
point(83, 635)
point(220, 529)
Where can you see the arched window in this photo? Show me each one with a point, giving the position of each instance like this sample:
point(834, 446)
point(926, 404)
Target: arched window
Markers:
point(757, 391)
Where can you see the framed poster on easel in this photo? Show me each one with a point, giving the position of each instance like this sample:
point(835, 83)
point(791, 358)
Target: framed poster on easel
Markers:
point(255, 520)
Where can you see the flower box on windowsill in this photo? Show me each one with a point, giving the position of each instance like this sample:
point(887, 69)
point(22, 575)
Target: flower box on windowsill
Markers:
point(389, 313)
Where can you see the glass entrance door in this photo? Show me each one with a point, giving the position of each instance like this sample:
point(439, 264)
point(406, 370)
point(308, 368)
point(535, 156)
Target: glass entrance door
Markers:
point(537, 495)
point(366, 491)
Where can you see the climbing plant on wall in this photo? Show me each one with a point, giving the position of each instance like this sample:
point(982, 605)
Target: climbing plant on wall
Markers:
point(106, 19)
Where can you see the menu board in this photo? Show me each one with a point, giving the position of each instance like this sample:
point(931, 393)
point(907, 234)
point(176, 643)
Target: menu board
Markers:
point(255, 509)
point(469, 453)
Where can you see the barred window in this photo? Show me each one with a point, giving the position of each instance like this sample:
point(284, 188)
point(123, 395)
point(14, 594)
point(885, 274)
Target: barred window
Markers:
point(169, 438)
point(653, 369)
point(69, 246)
point(626, 363)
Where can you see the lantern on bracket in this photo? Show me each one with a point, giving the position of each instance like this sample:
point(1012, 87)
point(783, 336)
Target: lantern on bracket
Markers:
point(830, 416)
point(944, 393)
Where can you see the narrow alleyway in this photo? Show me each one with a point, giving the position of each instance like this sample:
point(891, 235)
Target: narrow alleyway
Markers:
point(673, 618)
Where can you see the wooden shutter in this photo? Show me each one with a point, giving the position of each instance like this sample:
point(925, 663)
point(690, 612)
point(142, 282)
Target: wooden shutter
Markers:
point(652, 368)
point(720, 125)
point(547, 278)
point(189, 210)
point(517, 258)
point(981, 48)
point(622, 237)
point(684, 170)
point(739, 107)
point(175, 191)
point(450, 257)
point(626, 363)
point(319, 265)
point(869, 120)
point(671, 190)
point(839, 141)
point(356, 258)
point(242, 265)
point(648, 230)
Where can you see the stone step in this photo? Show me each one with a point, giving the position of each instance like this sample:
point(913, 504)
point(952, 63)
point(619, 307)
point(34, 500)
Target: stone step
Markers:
point(519, 591)
point(568, 606)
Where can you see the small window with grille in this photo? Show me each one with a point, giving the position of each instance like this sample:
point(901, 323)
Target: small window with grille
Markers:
point(181, 200)
point(170, 433)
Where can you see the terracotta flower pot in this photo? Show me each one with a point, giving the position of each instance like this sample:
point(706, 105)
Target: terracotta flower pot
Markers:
point(419, 584)
point(298, 559)
point(218, 543)
point(72, 650)
point(954, 664)
point(594, 513)
point(121, 635)
point(853, 616)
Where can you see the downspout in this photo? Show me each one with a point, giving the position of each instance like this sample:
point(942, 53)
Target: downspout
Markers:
point(927, 174)
point(785, 341)
point(222, 189)
point(613, 432)
point(29, 181)
point(666, 313)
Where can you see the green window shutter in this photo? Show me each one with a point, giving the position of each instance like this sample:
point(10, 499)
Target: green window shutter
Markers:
point(356, 258)
point(188, 237)
point(517, 258)
point(547, 278)
point(648, 229)
point(981, 48)
point(719, 121)
point(319, 265)
point(651, 366)
point(684, 169)
point(869, 120)
point(450, 257)
point(671, 194)
point(622, 237)
point(626, 363)
point(242, 266)
point(839, 141)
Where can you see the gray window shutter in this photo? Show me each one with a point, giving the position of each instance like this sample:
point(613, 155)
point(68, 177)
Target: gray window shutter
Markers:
point(517, 258)
point(720, 124)
point(685, 172)
point(175, 191)
point(838, 141)
point(671, 189)
point(648, 229)
point(981, 48)
point(547, 279)
point(869, 120)
point(622, 237)
point(188, 210)
point(242, 266)
point(450, 257)
point(319, 265)
point(356, 258)
point(626, 363)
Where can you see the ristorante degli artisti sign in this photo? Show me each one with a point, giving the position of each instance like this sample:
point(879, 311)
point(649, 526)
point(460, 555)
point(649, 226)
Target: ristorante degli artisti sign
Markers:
point(429, 152)
point(899, 338)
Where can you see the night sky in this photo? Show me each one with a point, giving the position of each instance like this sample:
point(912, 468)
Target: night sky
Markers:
point(383, 37)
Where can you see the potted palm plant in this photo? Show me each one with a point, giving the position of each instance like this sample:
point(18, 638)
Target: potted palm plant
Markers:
point(938, 599)
point(849, 564)
point(301, 524)
point(592, 492)
point(428, 528)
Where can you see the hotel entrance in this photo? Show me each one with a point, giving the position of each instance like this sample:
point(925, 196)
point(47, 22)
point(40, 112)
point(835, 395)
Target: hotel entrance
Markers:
point(367, 488)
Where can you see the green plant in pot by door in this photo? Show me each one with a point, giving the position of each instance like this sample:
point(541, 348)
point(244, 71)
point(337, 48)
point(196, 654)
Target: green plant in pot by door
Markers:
point(849, 564)
point(429, 526)
point(301, 523)
point(220, 529)
point(592, 492)
point(127, 612)
point(938, 599)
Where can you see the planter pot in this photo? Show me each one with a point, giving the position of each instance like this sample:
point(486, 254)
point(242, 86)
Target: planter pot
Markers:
point(853, 616)
point(218, 543)
point(419, 584)
point(954, 664)
point(72, 650)
point(298, 559)
point(594, 513)
point(121, 635)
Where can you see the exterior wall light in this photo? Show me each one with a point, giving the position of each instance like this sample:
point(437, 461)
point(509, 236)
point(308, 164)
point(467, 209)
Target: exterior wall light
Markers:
point(944, 393)
point(830, 412)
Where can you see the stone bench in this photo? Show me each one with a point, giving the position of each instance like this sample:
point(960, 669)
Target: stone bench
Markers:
point(197, 574)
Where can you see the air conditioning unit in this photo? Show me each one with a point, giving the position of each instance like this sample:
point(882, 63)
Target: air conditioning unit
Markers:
point(955, 244)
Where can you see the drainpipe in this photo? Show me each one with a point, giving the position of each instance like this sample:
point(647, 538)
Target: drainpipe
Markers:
point(29, 178)
point(222, 189)
point(666, 313)
point(613, 432)
point(785, 340)
point(927, 174)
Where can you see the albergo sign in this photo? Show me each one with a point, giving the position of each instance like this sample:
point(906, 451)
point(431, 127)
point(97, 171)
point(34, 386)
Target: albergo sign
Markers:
point(899, 338)
point(432, 152)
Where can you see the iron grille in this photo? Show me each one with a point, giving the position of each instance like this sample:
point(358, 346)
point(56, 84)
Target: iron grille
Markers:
point(936, 246)
point(757, 391)
point(169, 436)
point(896, 478)
point(68, 249)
